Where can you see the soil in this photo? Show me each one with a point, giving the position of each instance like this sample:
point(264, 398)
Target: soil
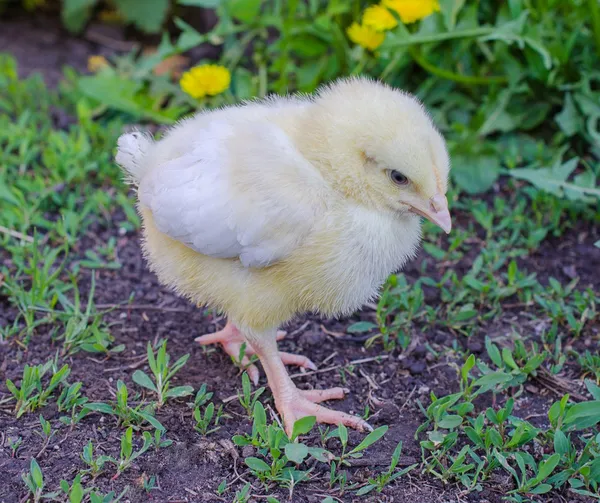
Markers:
point(192, 468)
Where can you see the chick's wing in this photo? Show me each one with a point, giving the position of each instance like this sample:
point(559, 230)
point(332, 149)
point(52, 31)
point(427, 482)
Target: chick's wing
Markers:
point(239, 192)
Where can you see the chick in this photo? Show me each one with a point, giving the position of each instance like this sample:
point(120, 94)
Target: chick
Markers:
point(289, 205)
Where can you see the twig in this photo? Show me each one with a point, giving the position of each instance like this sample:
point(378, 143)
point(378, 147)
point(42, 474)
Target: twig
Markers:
point(111, 43)
point(146, 307)
point(44, 447)
point(407, 399)
point(335, 367)
point(16, 234)
point(130, 366)
point(332, 355)
point(333, 334)
point(298, 330)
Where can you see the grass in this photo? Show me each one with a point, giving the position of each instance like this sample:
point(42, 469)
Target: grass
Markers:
point(61, 186)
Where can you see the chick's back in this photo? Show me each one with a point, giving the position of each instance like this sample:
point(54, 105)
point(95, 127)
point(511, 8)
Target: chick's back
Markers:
point(236, 217)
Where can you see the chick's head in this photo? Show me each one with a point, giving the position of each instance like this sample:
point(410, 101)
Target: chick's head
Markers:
point(381, 148)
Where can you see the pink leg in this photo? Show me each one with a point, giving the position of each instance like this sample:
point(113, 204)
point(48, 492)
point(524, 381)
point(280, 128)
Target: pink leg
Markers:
point(292, 403)
point(231, 339)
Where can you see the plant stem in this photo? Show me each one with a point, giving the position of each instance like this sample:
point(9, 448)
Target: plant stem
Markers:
point(456, 77)
point(595, 17)
point(439, 37)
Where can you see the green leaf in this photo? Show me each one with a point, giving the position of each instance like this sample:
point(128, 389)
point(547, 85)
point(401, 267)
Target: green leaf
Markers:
point(36, 474)
point(541, 489)
point(493, 379)
point(148, 15)
point(258, 465)
point(507, 358)
point(450, 421)
point(450, 10)
point(149, 418)
point(180, 391)
point(593, 389)
point(568, 119)
point(583, 415)
point(343, 434)
point(296, 452)
point(370, 439)
point(595, 470)
point(365, 489)
point(75, 13)
point(361, 327)
point(121, 94)
point(475, 174)
point(104, 408)
point(308, 46)
point(246, 11)
point(303, 426)
point(473, 436)
point(76, 494)
point(561, 443)
point(554, 180)
point(469, 364)
point(141, 378)
point(207, 4)
point(547, 467)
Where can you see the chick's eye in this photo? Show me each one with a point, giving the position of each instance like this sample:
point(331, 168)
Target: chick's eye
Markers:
point(398, 178)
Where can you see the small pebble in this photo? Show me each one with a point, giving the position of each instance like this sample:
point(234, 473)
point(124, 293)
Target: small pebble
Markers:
point(311, 338)
point(474, 346)
point(417, 368)
point(440, 338)
point(247, 451)
point(420, 351)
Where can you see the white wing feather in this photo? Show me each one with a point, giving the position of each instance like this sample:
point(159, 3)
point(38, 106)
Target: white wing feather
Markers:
point(244, 193)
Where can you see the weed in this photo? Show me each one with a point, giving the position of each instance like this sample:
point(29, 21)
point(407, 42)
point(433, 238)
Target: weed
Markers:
point(14, 444)
point(125, 413)
point(128, 455)
point(380, 481)
point(159, 440)
point(590, 364)
point(205, 419)
point(34, 480)
point(74, 491)
point(248, 398)
point(31, 394)
point(95, 464)
point(243, 495)
point(162, 373)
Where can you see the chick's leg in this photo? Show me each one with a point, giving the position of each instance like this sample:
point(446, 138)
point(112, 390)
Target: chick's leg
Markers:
point(292, 403)
point(231, 339)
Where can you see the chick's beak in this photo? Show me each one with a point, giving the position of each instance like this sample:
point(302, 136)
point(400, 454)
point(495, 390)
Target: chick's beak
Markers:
point(436, 212)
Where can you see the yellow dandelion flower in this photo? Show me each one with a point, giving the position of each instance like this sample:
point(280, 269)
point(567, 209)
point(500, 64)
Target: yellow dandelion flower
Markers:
point(412, 10)
point(96, 63)
point(379, 18)
point(204, 80)
point(365, 36)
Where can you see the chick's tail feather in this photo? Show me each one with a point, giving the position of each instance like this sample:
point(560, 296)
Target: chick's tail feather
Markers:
point(131, 151)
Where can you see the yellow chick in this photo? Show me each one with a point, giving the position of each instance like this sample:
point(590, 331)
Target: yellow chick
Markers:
point(284, 206)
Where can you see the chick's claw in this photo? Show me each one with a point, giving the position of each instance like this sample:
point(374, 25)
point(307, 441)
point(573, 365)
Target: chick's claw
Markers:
point(232, 341)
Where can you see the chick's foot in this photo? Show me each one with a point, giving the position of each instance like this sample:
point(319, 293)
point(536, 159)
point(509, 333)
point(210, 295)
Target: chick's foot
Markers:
point(232, 340)
point(293, 403)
